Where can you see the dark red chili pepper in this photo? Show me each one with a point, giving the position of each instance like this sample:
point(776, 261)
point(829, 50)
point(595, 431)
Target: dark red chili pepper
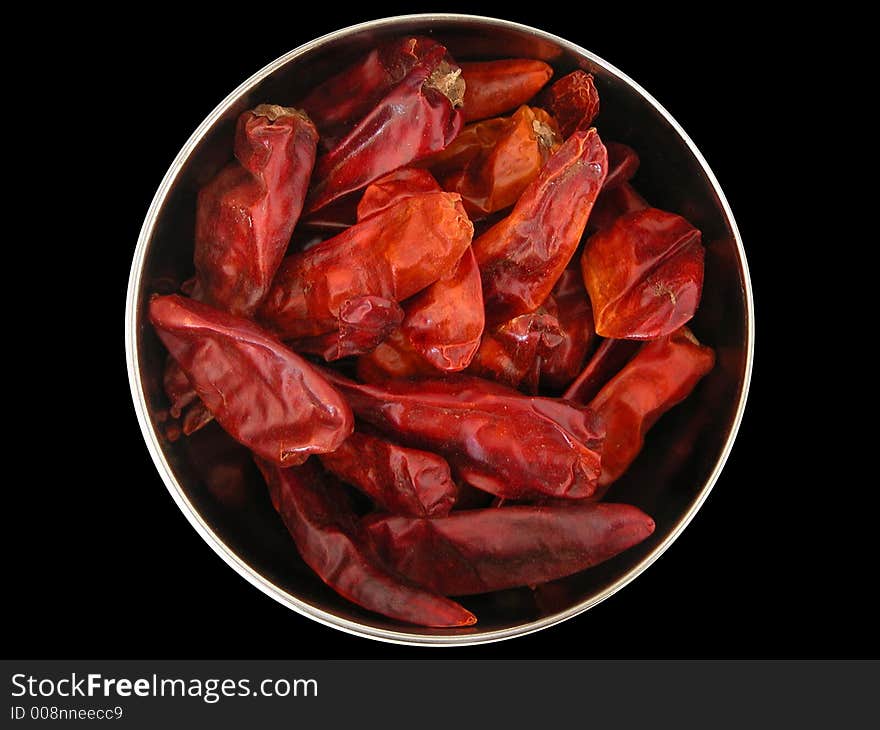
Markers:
point(394, 187)
point(262, 394)
point(614, 203)
point(341, 101)
point(326, 534)
point(623, 163)
point(496, 87)
point(477, 551)
point(644, 275)
point(574, 101)
point(247, 213)
point(393, 358)
point(609, 358)
point(522, 257)
point(417, 117)
point(575, 317)
point(400, 480)
point(497, 439)
point(392, 254)
point(662, 374)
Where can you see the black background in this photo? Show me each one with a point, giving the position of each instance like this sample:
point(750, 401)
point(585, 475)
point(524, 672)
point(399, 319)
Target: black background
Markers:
point(105, 565)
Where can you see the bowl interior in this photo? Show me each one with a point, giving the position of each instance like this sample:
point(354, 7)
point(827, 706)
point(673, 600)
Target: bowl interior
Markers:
point(670, 477)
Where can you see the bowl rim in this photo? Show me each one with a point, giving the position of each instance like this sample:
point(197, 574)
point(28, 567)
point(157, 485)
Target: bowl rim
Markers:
point(151, 438)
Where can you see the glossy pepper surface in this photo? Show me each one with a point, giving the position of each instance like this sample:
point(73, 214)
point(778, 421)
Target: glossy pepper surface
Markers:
point(575, 318)
point(496, 87)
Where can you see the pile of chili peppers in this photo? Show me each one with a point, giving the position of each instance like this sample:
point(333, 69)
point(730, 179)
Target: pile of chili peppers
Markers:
point(506, 314)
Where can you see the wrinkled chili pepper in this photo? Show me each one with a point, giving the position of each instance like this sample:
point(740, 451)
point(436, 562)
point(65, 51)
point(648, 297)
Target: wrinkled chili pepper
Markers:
point(497, 439)
point(609, 358)
point(392, 254)
point(262, 394)
point(496, 176)
point(247, 212)
point(575, 317)
point(614, 203)
point(393, 358)
point(400, 480)
point(644, 274)
point(341, 101)
point(662, 374)
point(496, 87)
point(477, 551)
point(574, 101)
point(326, 534)
point(417, 117)
point(623, 163)
point(522, 257)
point(393, 187)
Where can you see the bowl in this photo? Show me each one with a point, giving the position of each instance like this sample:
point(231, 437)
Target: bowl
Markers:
point(212, 478)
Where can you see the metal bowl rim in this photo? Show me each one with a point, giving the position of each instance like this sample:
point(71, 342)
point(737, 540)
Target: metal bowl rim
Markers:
point(189, 510)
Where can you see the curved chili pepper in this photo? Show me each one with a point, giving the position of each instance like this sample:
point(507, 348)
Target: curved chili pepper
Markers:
point(247, 213)
point(400, 480)
point(608, 359)
point(392, 254)
point(644, 275)
point(496, 177)
point(473, 141)
point(341, 101)
point(574, 101)
point(393, 358)
point(326, 534)
point(394, 187)
point(614, 203)
point(262, 394)
point(575, 318)
point(495, 87)
point(661, 375)
point(417, 117)
point(522, 257)
point(497, 439)
point(482, 550)
point(623, 163)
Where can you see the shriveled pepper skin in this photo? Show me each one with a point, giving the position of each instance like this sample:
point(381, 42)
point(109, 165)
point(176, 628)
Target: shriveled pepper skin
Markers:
point(392, 254)
point(522, 256)
point(662, 374)
point(644, 275)
point(575, 317)
point(417, 117)
point(327, 537)
point(574, 101)
point(497, 439)
point(614, 203)
point(623, 163)
point(482, 550)
point(400, 480)
point(393, 187)
point(393, 358)
point(606, 362)
point(247, 213)
point(496, 87)
point(262, 394)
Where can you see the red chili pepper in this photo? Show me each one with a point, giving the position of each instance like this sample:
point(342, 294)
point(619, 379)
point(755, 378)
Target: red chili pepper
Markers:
point(341, 101)
point(263, 395)
point(662, 374)
point(392, 254)
point(478, 551)
point(574, 101)
point(623, 163)
point(247, 212)
point(417, 117)
point(609, 358)
point(394, 187)
point(495, 178)
point(497, 439)
point(393, 358)
point(496, 87)
point(575, 317)
point(326, 534)
point(400, 480)
point(644, 275)
point(614, 203)
point(522, 257)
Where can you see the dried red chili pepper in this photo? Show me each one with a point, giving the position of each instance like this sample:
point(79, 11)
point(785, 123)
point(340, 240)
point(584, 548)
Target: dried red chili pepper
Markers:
point(247, 212)
point(522, 257)
point(575, 317)
point(495, 178)
point(417, 117)
point(341, 101)
point(623, 163)
point(662, 374)
point(326, 534)
point(574, 101)
point(392, 254)
point(393, 358)
point(614, 203)
point(474, 140)
point(400, 480)
point(609, 358)
point(477, 551)
point(644, 275)
point(496, 87)
point(497, 439)
point(263, 395)
point(394, 187)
